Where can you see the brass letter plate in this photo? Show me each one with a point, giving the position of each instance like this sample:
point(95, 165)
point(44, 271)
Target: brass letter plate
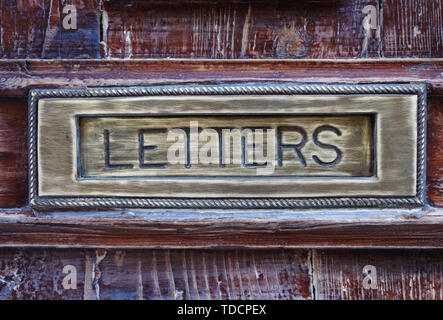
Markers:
point(229, 146)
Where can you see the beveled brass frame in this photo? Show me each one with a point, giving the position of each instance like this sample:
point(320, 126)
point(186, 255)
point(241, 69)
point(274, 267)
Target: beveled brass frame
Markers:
point(239, 89)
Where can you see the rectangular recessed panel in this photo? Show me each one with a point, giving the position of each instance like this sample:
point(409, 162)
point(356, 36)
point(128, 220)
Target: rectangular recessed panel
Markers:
point(244, 146)
point(234, 146)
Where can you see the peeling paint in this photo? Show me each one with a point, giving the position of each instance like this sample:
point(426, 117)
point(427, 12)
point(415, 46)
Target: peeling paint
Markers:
point(119, 258)
point(292, 42)
point(245, 33)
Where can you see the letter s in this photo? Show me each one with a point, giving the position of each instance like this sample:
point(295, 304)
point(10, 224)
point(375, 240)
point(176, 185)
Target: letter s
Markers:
point(326, 146)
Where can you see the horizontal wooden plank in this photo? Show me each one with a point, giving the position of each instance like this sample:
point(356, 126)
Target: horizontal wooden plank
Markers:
point(227, 29)
point(45, 29)
point(239, 29)
point(223, 229)
point(412, 28)
point(396, 274)
point(18, 76)
point(233, 29)
point(154, 274)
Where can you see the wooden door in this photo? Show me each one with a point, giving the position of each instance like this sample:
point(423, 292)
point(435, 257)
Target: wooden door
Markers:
point(121, 252)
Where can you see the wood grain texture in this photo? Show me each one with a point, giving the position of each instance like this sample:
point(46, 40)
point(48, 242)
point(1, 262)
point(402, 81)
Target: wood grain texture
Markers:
point(228, 29)
point(33, 29)
point(156, 274)
point(16, 77)
point(37, 274)
point(237, 29)
point(435, 151)
point(220, 274)
point(13, 151)
point(223, 229)
point(412, 28)
point(401, 274)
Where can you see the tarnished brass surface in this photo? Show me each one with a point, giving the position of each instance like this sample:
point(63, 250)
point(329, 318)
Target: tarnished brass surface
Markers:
point(353, 153)
point(372, 152)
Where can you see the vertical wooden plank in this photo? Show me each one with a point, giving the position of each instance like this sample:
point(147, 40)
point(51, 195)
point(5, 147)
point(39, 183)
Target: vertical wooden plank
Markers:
point(13, 152)
point(435, 151)
point(207, 274)
point(115, 275)
point(39, 274)
point(400, 274)
point(84, 42)
point(238, 29)
point(34, 29)
point(150, 280)
point(413, 28)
